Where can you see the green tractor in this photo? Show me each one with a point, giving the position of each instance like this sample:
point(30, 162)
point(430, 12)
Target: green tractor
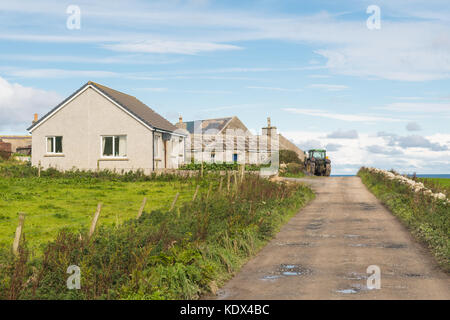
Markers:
point(317, 163)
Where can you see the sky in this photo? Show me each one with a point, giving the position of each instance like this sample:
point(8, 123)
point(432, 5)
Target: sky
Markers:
point(324, 71)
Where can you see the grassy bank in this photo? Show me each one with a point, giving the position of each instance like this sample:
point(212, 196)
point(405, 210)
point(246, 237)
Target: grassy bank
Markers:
point(182, 253)
point(427, 218)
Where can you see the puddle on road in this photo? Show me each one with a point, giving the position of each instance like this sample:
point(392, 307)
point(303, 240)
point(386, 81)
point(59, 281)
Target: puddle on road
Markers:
point(392, 245)
point(296, 244)
point(413, 275)
point(293, 270)
point(288, 270)
point(347, 291)
point(360, 245)
point(352, 236)
point(315, 224)
point(354, 276)
point(274, 277)
point(367, 206)
point(354, 289)
point(315, 235)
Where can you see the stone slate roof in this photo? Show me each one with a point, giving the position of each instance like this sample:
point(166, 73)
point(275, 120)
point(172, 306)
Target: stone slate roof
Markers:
point(207, 125)
point(129, 103)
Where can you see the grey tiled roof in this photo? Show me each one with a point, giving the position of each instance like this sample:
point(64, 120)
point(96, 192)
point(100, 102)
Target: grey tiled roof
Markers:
point(130, 103)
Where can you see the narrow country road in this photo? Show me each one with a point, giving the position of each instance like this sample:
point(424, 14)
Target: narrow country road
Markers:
point(323, 253)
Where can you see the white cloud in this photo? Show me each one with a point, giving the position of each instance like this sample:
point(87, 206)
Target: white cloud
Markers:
point(341, 134)
point(19, 103)
point(341, 116)
point(60, 73)
point(416, 107)
point(165, 46)
point(413, 126)
point(275, 89)
point(329, 87)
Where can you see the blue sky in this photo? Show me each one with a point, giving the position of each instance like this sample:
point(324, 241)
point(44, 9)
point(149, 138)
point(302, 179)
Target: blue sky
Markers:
point(371, 97)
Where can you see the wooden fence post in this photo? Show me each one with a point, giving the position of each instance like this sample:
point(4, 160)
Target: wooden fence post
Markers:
point(220, 184)
point(228, 181)
point(39, 169)
point(195, 193)
point(174, 201)
point(18, 233)
point(201, 170)
point(242, 172)
point(95, 219)
point(209, 190)
point(141, 209)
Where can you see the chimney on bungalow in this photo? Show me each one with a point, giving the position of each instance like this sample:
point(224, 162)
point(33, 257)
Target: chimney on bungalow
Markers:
point(35, 118)
point(180, 119)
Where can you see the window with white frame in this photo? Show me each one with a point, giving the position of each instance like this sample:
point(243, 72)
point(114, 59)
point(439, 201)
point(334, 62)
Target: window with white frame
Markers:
point(156, 144)
point(54, 144)
point(114, 146)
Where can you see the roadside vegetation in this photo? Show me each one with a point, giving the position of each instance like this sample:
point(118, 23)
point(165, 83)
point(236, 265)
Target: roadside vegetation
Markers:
point(181, 253)
point(291, 165)
point(426, 216)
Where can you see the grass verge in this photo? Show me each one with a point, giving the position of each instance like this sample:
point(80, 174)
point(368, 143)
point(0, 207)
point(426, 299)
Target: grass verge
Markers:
point(428, 220)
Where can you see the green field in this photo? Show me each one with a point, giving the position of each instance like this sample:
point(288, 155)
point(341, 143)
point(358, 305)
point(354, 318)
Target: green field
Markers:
point(437, 184)
point(51, 204)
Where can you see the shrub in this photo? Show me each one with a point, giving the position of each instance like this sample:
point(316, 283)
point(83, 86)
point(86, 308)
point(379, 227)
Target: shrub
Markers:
point(289, 156)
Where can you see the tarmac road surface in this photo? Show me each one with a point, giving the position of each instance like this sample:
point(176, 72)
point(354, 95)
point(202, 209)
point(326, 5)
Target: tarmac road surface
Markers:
point(324, 251)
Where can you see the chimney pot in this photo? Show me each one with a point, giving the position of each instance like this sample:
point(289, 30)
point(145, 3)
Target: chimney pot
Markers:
point(35, 118)
point(268, 122)
point(180, 119)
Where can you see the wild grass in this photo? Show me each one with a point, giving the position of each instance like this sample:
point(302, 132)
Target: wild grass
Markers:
point(427, 218)
point(178, 254)
point(57, 201)
point(437, 184)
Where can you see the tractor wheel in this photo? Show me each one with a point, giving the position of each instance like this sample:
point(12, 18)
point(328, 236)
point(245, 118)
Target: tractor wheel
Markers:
point(312, 168)
point(328, 170)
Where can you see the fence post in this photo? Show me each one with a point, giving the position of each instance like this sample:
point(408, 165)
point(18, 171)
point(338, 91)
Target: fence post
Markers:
point(201, 170)
point(39, 169)
point(242, 172)
point(18, 233)
point(174, 201)
point(209, 190)
point(141, 209)
point(195, 193)
point(228, 181)
point(220, 184)
point(94, 220)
